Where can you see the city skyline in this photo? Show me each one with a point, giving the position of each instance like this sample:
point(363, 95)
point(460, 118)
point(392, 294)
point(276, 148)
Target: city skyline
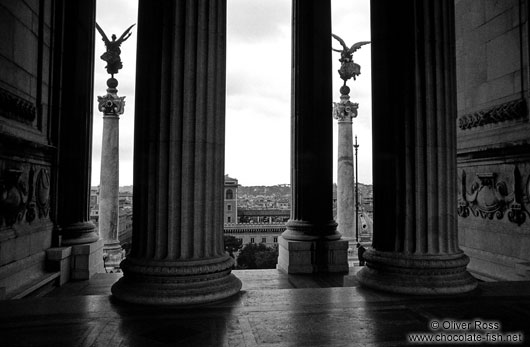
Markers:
point(258, 87)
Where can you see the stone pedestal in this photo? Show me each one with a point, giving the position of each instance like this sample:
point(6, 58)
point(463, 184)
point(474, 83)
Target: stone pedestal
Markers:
point(60, 259)
point(112, 106)
point(87, 260)
point(312, 256)
point(311, 226)
point(177, 254)
point(415, 246)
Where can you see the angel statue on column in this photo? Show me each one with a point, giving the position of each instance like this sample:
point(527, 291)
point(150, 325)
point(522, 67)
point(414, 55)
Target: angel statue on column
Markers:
point(112, 55)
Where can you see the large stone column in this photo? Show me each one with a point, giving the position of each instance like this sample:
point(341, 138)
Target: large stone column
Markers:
point(112, 107)
point(345, 175)
point(75, 130)
point(73, 71)
point(177, 254)
point(415, 246)
point(311, 241)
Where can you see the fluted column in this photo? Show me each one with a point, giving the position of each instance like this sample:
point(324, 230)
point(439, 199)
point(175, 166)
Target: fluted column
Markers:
point(74, 73)
point(177, 252)
point(415, 246)
point(311, 143)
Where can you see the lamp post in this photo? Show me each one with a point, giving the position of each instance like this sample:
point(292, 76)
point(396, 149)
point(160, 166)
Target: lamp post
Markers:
point(356, 146)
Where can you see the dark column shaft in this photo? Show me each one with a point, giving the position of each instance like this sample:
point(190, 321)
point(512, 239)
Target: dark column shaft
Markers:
point(414, 150)
point(311, 124)
point(177, 248)
point(75, 73)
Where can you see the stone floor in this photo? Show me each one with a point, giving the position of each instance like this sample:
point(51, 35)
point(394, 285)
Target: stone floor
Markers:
point(273, 309)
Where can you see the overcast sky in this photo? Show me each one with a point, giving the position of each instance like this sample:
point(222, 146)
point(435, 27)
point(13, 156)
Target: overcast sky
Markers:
point(258, 86)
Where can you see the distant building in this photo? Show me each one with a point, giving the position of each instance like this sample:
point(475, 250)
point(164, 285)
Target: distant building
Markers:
point(125, 212)
point(262, 220)
point(263, 216)
point(256, 233)
point(230, 205)
point(94, 205)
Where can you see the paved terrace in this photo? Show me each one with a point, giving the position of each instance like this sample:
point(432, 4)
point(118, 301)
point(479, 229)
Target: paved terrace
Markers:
point(273, 309)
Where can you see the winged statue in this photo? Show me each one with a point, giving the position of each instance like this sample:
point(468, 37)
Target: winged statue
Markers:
point(112, 55)
point(348, 68)
point(346, 53)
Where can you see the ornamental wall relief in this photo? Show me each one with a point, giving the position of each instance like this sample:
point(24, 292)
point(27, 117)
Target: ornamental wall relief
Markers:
point(490, 196)
point(24, 195)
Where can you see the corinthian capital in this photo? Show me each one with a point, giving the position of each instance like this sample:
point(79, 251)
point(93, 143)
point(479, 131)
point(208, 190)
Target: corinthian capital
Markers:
point(111, 104)
point(345, 110)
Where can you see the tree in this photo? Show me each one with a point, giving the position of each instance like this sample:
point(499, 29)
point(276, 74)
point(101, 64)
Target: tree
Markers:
point(257, 256)
point(232, 244)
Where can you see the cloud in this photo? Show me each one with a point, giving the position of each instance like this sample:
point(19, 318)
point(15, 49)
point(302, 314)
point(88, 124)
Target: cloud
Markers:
point(258, 86)
point(257, 148)
point(257, 20)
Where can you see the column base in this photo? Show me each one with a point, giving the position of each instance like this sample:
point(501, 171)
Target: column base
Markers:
point(297, 257)
point(176, 282)
point(87, 260)
point(79, 233)
point(416, 274)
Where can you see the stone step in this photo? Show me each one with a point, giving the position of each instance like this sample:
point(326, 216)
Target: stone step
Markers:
point(43, 283)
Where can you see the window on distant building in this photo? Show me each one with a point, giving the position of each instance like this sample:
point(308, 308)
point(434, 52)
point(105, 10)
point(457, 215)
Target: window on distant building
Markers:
point(229, 219)
point(275, 240)
point(263, 240)
point(229, 194)
point(251, 240)
point(229, 207)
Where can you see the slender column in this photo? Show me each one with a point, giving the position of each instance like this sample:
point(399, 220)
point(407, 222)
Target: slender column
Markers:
point(415, 246)
point(112, 106)
point(345, 175)
point(177, 254)
point(74, 73)
point(311, 144)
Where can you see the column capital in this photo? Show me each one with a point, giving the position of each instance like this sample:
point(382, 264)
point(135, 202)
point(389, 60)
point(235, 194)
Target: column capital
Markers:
point(345, 110)
point(111, 104)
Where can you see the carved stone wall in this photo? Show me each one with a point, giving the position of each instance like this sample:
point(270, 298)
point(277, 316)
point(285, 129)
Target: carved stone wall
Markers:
point(493, 133)
point(494, 216)
point(24, 195)
point(26, 149)
point(25, 202)
point(26, 56)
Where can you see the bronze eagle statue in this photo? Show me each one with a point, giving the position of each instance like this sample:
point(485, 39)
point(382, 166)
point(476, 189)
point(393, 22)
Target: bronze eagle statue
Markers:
point(346, 53)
